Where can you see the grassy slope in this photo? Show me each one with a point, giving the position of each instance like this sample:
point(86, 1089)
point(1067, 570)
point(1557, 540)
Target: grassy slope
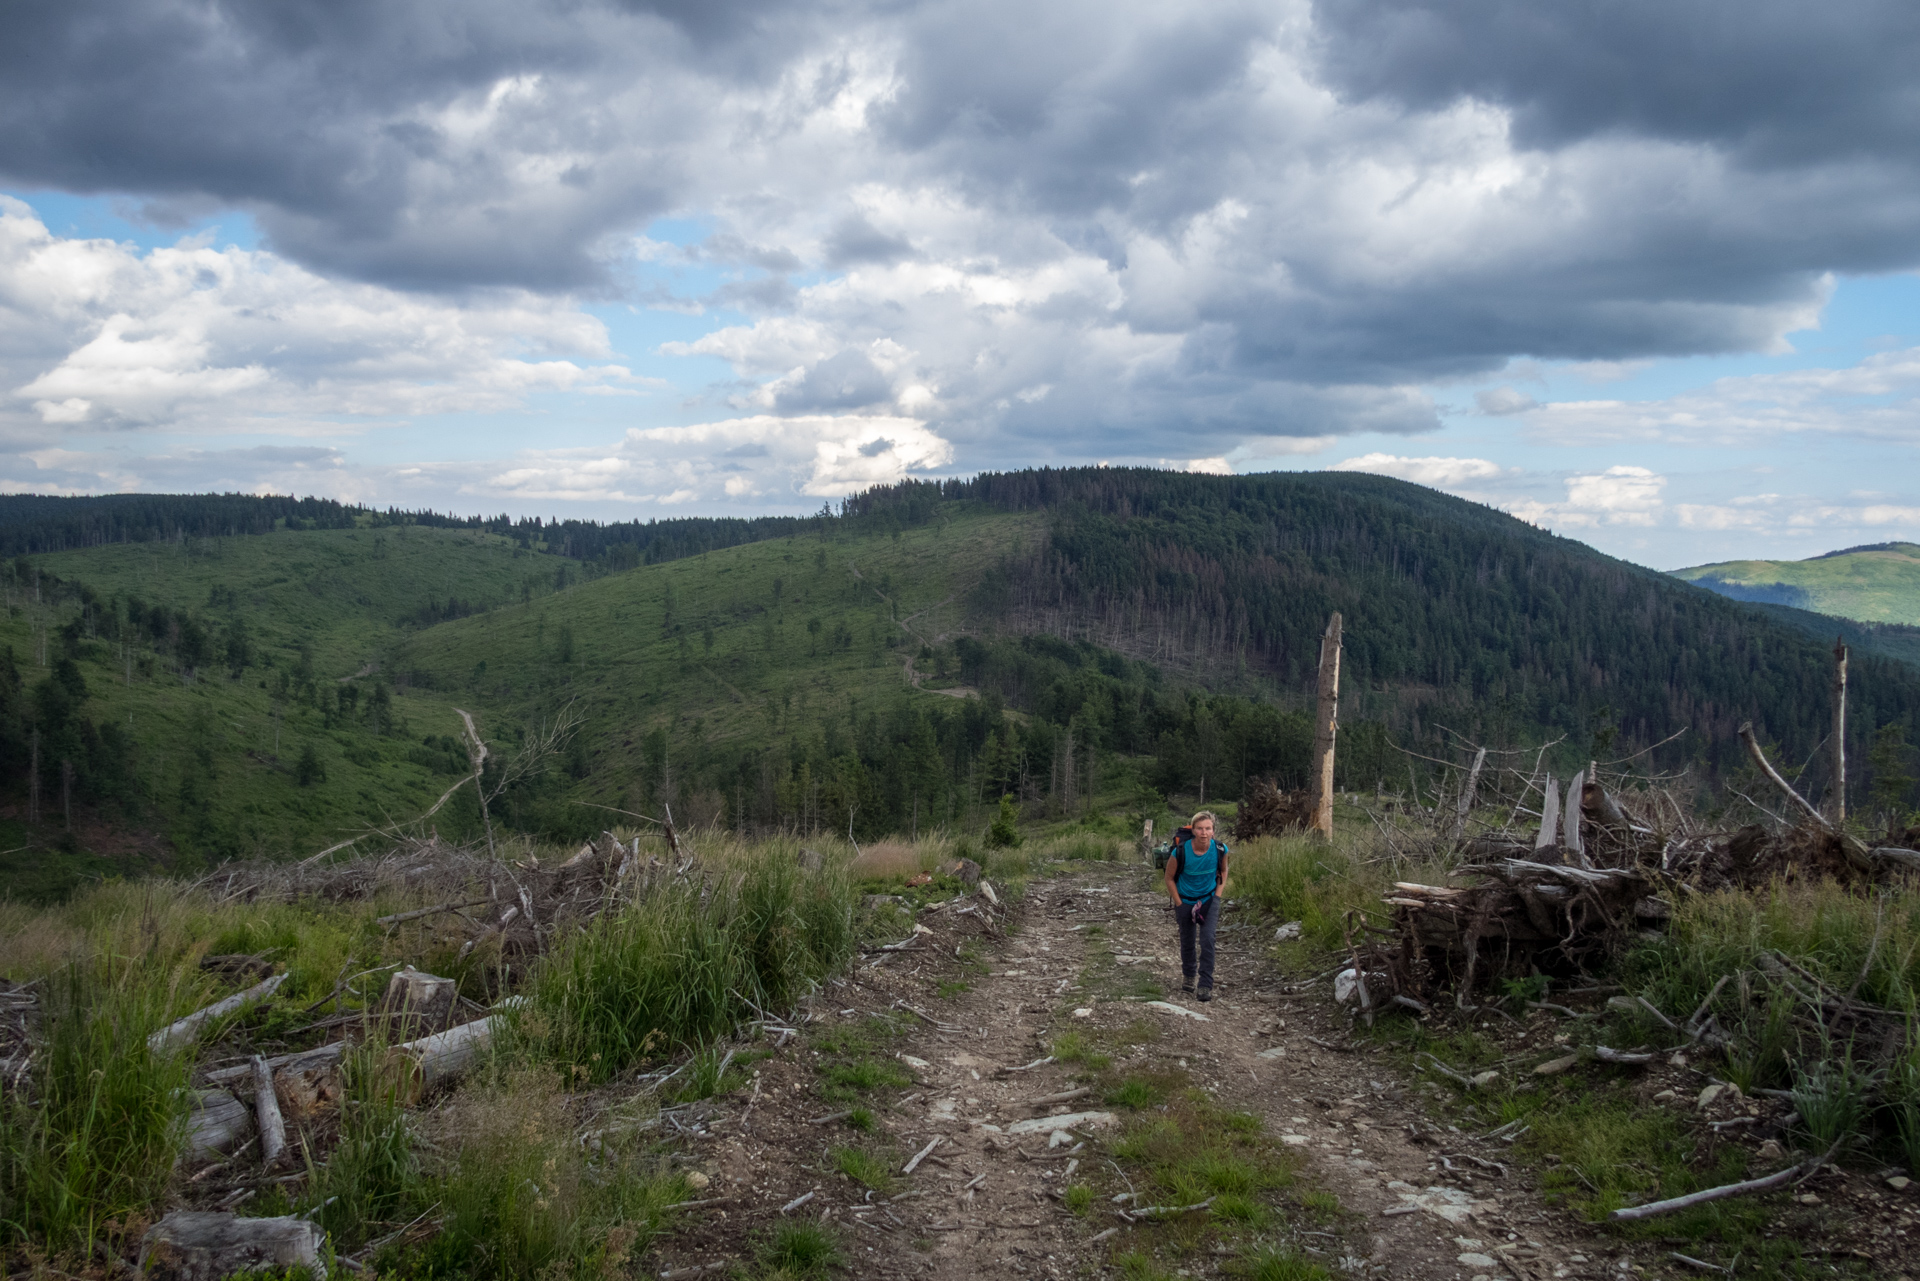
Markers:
point(638, 664)
point(346, 595)
point(343, 593)
point(1879, 586)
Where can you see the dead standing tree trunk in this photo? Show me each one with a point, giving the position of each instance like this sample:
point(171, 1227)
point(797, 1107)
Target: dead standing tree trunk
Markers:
point(1839, 785)
point(1326, 724)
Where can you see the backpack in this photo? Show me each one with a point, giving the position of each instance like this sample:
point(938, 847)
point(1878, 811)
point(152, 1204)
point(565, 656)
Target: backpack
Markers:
point(1181, 835)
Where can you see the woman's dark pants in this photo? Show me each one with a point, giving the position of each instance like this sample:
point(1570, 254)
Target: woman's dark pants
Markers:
point(1204, 928)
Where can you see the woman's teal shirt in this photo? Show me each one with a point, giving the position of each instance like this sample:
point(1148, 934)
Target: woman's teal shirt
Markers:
point(1198, 872)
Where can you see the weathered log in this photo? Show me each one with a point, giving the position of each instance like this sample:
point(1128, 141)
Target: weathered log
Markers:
point(182, 1031)
point(266, 1111)
point(444, 1056)
point(1909, 859)
point(323, 1054)
point(216, 1126)
point(192, 1245)
point(418, 912)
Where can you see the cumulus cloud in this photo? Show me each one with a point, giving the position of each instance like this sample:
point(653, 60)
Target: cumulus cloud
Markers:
point(1436, 473)
point(762, 457)
point(96, 334)
point(1041, 233)
point(1877, 399)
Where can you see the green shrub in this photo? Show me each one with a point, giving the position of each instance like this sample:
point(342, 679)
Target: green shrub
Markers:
point(867, 1168)
point(1005, 831)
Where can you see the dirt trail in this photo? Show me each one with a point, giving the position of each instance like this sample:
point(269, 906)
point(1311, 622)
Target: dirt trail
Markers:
point(982, 1203)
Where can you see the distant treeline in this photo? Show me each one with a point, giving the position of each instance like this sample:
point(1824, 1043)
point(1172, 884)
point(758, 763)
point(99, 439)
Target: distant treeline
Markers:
point(32, 524)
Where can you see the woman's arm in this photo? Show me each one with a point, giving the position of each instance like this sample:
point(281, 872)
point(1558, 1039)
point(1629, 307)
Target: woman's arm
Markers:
point(1173, 886)
point(1221, 888)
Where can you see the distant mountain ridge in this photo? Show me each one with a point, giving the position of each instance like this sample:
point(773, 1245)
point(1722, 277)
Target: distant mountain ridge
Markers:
point(1872, 583)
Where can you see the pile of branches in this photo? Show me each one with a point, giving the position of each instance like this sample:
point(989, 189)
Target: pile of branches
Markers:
point(1266, 810)
point(1604, 859)
point(513, 905)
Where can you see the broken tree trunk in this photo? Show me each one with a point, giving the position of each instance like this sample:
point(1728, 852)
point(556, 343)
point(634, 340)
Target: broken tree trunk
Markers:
point(1465, 805)
point(207, 1246)
point(1549, 816)
point(1326, 725)
point(266, 1111)
point(1839, 784)
point(182, 1031)
point(1146, 841)
point(1570, 822)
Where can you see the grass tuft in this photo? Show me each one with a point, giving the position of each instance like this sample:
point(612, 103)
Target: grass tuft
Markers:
point(800, 1250)
point(867, 1168)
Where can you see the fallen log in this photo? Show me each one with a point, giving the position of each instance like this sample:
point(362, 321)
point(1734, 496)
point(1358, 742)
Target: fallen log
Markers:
point(302, 1058)
point(207, 1246)
point(1854, 848)
point(266, 1110)
point(182, 1031)
point(442, 1057)
point(436, 909)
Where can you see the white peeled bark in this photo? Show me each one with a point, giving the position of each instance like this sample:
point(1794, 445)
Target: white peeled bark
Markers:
point(1549, 817)
point(182, 1031)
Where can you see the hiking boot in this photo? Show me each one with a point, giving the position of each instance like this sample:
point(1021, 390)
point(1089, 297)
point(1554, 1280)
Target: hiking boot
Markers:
point(1186, 985)
point(1206, 994)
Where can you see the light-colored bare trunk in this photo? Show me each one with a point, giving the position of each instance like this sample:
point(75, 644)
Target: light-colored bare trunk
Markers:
point(1838, 801)
point(1326, 724)
point(1549, 816)
point(266, 1111)
point(184, 1030)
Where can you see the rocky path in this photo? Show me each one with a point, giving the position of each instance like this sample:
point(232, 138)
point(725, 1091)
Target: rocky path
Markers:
point(1091, 951)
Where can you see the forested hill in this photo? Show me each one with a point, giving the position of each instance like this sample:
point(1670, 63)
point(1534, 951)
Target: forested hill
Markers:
point(1452, 609)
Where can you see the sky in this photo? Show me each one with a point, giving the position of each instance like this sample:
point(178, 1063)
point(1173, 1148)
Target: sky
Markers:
point(1639, 272)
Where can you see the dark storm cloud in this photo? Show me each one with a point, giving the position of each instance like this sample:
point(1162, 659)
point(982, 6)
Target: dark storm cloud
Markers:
point(1777, 82)
point(1130, 222)
point(321, 118)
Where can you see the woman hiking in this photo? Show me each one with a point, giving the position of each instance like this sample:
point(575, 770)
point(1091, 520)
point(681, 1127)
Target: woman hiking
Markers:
point(1196, 873)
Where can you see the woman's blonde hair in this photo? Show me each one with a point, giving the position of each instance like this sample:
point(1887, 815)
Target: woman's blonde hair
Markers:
point(1209, 815)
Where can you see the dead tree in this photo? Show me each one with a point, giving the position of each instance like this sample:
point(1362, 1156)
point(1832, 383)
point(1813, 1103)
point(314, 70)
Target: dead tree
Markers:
point(1839, 785)
point(1326, 725)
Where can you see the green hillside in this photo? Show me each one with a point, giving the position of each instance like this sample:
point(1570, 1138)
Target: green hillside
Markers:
point(1877, 584)
point(1063, 637)
point(175, 686)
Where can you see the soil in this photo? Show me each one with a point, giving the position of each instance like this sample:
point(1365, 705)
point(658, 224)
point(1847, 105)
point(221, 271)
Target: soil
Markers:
point(984, 1202)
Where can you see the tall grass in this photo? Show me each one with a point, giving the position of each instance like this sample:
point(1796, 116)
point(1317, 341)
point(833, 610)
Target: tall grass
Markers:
point(688, 962)
point(1305, 879)
point(519, 1197)
point(93, 1150)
